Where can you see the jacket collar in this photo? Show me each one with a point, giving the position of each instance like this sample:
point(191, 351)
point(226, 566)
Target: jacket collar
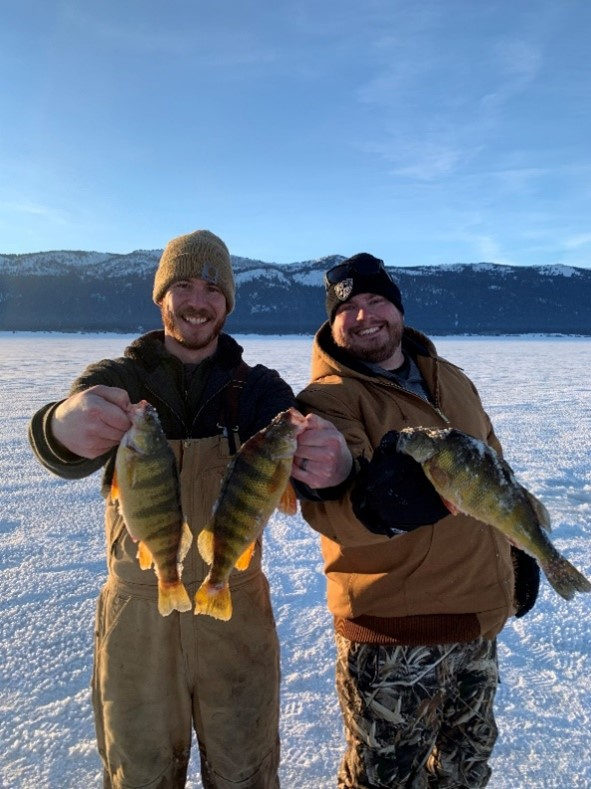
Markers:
point(329, 359)
point(149, 351)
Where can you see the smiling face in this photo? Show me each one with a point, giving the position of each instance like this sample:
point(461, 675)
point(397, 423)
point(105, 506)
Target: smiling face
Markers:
point(370, 327)
point(193, 313)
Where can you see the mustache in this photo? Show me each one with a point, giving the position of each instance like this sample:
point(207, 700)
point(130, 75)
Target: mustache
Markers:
point(192, 313)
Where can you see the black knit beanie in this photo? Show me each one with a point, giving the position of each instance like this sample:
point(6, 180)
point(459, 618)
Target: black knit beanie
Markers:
point(355, 280)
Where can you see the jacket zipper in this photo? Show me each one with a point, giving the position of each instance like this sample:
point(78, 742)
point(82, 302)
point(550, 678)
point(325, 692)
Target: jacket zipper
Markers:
point(433, 406)
point(178, 416)
point(169, 407)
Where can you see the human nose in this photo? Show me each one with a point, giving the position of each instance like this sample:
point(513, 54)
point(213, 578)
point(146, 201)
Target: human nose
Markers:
point(196, 298)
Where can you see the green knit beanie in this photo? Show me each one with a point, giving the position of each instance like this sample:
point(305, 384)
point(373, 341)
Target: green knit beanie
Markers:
point(200, 255)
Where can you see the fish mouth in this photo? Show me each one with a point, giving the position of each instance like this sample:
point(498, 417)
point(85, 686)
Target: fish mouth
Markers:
point(140, 409)
point(296, 419)
point(402, 441)
point(290, 417)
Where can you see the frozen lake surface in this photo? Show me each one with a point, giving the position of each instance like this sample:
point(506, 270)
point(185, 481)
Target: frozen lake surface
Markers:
point(52, 558)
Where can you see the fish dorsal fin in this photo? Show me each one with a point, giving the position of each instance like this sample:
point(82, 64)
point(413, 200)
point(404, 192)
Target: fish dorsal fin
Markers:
point(205, 545)
point(288, 502)
point(540, 510)
point(244, 559)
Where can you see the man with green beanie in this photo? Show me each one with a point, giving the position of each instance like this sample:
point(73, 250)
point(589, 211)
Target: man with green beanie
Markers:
point(156, 678)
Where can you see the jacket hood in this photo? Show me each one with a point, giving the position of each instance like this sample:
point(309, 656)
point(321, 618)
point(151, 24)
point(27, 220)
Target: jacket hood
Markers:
point(328, 359)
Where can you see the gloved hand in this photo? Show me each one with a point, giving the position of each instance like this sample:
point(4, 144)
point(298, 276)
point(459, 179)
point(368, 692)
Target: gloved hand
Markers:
point(527, 581)
point(392, 495)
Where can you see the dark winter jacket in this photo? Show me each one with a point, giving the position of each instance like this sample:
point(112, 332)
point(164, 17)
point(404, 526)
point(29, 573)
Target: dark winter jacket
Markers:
point(193, 420)
point(148, 372)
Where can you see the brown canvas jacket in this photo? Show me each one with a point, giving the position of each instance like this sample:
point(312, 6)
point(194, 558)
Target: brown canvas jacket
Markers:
point(454, 567)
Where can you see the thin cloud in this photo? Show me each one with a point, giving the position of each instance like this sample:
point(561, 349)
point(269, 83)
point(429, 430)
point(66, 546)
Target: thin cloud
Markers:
point(191, 37)
point(578, 241)
point(34, 209)
point(517, 64)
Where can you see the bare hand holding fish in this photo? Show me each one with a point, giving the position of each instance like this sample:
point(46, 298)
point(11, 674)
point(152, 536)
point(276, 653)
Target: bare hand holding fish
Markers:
point(255, 484)
point(147, 489)
point(471, 478)
point(93, 421)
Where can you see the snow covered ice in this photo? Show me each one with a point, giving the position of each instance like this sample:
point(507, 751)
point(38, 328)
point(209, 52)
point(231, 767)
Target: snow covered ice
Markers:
point(52, 563)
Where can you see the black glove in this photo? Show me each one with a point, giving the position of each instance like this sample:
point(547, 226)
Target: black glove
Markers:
point(527, 581)
point(392, 494)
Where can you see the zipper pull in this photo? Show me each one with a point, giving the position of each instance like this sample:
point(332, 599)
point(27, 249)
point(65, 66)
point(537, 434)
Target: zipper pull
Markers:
point(442, 415)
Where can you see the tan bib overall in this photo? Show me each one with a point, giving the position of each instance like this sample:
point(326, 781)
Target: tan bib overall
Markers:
point(157, 678)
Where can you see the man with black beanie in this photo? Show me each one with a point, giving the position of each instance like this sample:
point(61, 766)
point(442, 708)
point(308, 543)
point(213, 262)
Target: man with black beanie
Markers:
point(418, 595)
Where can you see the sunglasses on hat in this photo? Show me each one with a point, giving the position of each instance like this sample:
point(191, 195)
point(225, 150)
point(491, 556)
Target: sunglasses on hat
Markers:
point(364, 266)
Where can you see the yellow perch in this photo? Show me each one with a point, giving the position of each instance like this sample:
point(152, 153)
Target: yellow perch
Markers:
point(147, 488)
point(255, 484)
point(471, 478)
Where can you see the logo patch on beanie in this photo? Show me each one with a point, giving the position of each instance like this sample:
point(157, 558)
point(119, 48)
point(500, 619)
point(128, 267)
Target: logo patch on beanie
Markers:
point(210, 272)
point(343, 289)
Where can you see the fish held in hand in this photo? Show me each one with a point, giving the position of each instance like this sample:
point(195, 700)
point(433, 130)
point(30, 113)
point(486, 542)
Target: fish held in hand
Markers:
point(146, 487)
point(472, 478)
point(255, 484)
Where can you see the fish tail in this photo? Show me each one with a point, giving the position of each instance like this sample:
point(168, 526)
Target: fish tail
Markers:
point(565, 578)
point(172, 597)
point(214, 600)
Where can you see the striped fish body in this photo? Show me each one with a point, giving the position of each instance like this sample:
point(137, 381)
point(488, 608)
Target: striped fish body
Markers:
point(146, 487)
point(471, 478)
point(255, 484)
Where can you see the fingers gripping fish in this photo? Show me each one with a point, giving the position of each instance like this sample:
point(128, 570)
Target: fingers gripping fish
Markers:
point(255, 484)
point(471, 478)
point(147, 488)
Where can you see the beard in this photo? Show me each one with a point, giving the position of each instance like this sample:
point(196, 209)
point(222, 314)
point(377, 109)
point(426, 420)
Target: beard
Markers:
point(371, 351)
point(174, 327)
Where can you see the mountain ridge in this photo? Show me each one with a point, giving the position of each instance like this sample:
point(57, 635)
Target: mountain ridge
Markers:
point(69, 290)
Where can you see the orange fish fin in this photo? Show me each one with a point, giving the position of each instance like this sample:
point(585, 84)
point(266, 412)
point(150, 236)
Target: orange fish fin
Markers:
point(205, 545)
point(244, 559)
point(214, 601)
point(115, 492)
point(185, 542)
point(451, 506)
point(288, 502)
point(144, 556)
point(172, 597)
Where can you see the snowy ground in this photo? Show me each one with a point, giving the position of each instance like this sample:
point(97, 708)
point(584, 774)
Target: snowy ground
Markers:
point(52, 565)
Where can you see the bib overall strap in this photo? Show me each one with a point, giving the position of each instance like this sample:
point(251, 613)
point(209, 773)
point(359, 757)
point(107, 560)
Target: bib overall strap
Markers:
point(230, 405)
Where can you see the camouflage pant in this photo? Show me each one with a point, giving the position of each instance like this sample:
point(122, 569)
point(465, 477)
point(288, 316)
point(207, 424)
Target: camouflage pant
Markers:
point(417, 717)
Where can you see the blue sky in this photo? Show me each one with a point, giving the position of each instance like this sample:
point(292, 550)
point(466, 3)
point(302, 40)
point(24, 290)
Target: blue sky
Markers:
point(424, 132)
